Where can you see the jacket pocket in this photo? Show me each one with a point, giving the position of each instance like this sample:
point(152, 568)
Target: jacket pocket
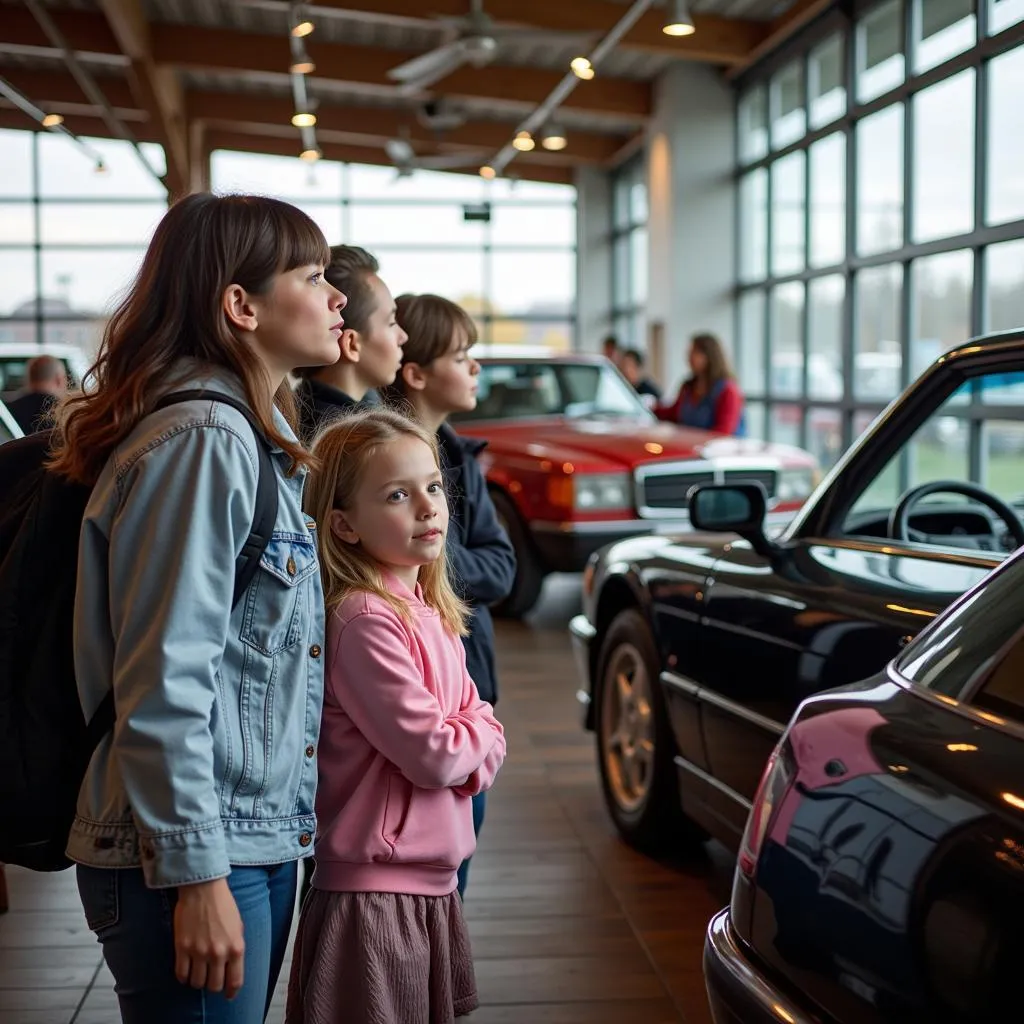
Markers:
point(396, 809)
point(276, 599)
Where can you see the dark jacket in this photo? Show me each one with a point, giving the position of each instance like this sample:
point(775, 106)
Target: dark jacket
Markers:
point(319, 403)
point(482, 558)
point(30, 409)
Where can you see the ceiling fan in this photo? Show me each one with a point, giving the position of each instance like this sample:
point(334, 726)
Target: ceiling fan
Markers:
point(472, 39)
point(404, 157)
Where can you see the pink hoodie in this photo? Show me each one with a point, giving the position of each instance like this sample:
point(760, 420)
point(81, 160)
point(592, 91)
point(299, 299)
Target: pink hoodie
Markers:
point(405, 741)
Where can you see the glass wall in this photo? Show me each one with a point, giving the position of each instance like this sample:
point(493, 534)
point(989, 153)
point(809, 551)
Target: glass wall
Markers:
point(70, 238)
point(880, 194)
point(629, 253)
point(504, 250)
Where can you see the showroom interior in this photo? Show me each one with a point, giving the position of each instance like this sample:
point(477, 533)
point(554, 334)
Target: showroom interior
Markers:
point(832, 189)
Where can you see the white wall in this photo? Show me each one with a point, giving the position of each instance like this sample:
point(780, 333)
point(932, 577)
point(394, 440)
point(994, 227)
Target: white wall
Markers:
point(690, 164)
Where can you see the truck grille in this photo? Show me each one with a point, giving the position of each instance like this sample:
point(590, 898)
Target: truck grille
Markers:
point(665, 491)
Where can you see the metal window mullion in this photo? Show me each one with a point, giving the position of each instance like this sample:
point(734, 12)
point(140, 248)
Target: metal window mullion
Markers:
point(37, 251)
point(907, 319)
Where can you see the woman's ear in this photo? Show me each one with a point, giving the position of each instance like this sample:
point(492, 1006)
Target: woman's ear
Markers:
point(414, 377)
point(239, 308)
point(350, 344)
point(341, 529)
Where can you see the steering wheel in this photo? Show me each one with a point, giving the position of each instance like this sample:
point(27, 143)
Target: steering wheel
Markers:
point(899, 518)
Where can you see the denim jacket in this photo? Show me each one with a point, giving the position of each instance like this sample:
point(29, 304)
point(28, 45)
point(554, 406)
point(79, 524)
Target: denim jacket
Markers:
point(212, 760)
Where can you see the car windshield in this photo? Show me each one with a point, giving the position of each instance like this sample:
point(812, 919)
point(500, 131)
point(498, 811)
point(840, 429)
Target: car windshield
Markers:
point(525, 390)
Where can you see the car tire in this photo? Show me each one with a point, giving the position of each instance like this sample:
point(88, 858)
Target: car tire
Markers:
point(635, 744)
point(529, 577)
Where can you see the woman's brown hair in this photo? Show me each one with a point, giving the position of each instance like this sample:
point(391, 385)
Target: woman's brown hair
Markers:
point(714, 352)
point(343, 450)
point(431, 322)
point(172, 312)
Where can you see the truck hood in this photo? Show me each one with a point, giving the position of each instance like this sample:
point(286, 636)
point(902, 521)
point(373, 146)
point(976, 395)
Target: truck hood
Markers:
point(603, 443)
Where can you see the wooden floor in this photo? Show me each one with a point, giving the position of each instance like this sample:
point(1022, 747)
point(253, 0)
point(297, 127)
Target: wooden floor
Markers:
point(569, 926)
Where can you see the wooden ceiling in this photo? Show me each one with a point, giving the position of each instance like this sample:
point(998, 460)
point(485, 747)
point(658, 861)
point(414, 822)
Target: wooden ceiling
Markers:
point(199, 75)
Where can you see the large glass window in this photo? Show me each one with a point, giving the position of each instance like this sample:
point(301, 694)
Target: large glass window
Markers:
point(880, 181)
point(943, 197)
point(629, 254)
point(859, 240)
point(1004, 132)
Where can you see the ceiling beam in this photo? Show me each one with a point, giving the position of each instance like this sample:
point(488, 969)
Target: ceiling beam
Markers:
point(716, 40)
point(86, 32)
point(361, 155)
point(80, 124)
point(156, 88)
point(59, 93)
point(212, 49)
point(782, 28)
point(382, 123)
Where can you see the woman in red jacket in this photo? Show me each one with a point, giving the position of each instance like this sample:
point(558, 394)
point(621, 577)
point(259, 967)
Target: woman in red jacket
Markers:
point(710, 398)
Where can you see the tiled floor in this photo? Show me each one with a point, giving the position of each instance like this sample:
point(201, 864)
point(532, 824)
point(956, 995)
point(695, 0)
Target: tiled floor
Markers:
point(568, 925)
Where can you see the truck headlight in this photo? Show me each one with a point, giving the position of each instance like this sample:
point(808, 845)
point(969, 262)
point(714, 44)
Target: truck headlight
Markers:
point(600, 491)
point(795, 484)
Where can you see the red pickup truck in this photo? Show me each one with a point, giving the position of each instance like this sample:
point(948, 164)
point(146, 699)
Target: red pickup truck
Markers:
point(575, 460)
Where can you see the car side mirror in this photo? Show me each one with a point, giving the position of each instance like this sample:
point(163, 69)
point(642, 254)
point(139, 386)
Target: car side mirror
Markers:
point(732, 508)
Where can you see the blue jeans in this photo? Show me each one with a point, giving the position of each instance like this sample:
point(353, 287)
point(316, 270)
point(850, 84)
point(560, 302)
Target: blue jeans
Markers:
point(134, 926)
point(479, 806)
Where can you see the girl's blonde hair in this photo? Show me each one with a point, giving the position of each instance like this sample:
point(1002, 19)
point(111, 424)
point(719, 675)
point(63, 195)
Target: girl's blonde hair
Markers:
point(343, 450)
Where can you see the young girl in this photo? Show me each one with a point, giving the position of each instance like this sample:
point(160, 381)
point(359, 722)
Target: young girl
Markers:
point(438, 378)
point(405, 743)
point(198, 803)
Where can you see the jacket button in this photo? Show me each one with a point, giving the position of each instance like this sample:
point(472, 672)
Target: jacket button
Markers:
point(310, 750)
point(305, 839)
point(314, 651)
point(290, 566)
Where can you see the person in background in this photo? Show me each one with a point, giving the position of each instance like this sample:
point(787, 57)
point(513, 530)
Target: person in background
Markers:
point(405, 743)
point(710, 398)
point(370, 344)
point(438, 378)
point(610, 349)
point(46, 381)
point(631, 364)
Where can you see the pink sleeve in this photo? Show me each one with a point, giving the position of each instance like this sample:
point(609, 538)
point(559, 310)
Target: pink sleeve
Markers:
point(728, 408)
point(483, 777)
point(381, 689)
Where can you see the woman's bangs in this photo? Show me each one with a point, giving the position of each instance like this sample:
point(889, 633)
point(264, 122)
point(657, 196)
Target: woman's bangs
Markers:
point(301, 241)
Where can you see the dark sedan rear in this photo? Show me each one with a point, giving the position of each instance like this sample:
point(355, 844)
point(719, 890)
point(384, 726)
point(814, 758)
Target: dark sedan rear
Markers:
point(881, 872)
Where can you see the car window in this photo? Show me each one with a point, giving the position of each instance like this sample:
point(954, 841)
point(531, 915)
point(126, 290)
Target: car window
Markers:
point(972, 636)
point(523, 390)
point(986, 413)
point(14, 373)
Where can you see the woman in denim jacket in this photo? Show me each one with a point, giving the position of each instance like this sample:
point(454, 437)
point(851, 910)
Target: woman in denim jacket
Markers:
point(197, 805)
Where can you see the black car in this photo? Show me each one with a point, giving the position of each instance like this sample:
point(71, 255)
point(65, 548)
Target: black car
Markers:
point(880, 877)
point(695, 650)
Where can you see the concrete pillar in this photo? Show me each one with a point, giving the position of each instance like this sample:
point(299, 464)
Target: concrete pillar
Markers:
point(594, 257)
point(691, 239)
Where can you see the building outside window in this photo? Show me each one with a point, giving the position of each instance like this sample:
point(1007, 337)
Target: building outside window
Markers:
point(629, 253)
point(881, 208)
point(71, 240)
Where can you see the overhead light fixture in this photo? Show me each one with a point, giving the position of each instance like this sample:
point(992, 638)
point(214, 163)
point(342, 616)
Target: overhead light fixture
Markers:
point(52, 120)
point(488, 172)
point(523, 142)
point(303, 67)
point(100, 168)
point(303, 119)
point(553, 138)
point(678, 22)
point(582, 68)
point(310, 155)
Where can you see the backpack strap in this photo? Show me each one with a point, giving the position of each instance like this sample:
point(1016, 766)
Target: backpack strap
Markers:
point(263, 520)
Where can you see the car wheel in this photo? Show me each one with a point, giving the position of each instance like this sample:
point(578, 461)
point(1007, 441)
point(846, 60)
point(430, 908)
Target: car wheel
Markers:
point(529, 572)
point(635, 745)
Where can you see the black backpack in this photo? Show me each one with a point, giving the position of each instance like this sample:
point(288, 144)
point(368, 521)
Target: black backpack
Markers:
point(45, 741)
